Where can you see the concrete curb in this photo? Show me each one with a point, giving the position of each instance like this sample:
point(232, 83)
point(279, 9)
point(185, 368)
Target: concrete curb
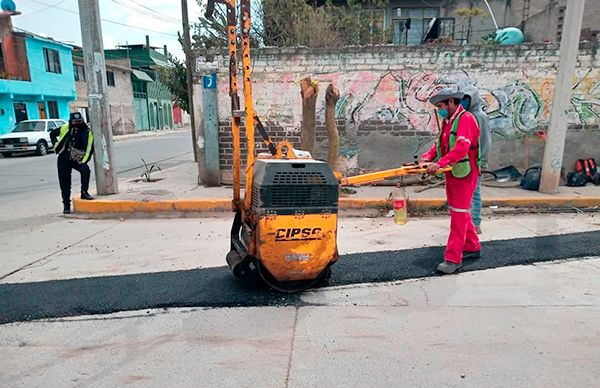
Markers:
point(149, 133)
point(205, 205)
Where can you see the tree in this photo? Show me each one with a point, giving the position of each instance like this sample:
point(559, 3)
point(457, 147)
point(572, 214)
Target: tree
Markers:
point(332, 95)
point(175, 78)
point(212, 33)
point(306, 23)
point(466, 15)
point(309, 90)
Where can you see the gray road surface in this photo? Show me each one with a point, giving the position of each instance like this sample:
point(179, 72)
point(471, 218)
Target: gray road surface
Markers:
point(35, 177)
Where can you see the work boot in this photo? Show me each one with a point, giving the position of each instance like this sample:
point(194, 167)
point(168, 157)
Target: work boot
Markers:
point(86, 195)
point(478, 229)
point(448, 267)
point(471, 255)
point(67, 208)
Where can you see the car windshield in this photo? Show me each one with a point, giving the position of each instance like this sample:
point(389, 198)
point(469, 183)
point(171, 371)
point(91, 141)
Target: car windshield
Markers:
point(30, 126)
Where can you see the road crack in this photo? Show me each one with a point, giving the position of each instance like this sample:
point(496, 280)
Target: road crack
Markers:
point(33, 263)
point(289, 366)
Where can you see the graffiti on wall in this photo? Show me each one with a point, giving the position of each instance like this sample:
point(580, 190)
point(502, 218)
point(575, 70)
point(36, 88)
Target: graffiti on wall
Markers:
point(516, 103)
point(520, 106)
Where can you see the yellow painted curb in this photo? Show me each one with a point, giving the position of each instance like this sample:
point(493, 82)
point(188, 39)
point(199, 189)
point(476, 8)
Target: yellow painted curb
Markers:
point(101, 206)
point(361, 203)
point(543, 201)
point(202, 205)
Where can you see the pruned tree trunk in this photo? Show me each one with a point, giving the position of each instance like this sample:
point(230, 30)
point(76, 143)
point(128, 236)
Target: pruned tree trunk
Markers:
point(309, 92)
point(332, 95)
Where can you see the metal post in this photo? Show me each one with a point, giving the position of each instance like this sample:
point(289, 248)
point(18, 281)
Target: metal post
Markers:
point(197, 136)
point(557, 130)
point(95, 67)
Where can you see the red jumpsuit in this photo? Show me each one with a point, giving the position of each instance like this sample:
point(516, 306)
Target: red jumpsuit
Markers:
point(459, 191)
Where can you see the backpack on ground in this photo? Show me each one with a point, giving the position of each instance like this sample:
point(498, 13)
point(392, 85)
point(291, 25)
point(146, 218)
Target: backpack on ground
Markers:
point(587, 167)
point(532, 177)
point(576, 179)
point(596, 179)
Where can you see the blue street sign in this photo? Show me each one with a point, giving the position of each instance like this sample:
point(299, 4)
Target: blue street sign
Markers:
point(210, 81)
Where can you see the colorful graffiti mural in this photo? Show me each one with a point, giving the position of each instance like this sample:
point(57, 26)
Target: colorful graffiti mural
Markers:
point(518, 102)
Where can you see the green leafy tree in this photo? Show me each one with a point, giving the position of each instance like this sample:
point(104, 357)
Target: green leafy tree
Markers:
point(175, 78)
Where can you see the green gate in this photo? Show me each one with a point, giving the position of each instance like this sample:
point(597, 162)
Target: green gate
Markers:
point(140, 108)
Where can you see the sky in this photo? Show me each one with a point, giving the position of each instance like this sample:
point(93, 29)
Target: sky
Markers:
point(59, 19)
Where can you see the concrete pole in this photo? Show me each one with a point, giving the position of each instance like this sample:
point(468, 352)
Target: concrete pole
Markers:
point(557, 130)
point(95, 67)
point(197, 133)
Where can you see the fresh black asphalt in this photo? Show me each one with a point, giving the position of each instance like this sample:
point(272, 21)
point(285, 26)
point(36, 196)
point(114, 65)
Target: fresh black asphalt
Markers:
point(216, 287)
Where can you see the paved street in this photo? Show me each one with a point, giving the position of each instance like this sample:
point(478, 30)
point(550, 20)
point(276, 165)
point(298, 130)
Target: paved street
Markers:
point(29, 183)
point(166, 312)
point(149, 302)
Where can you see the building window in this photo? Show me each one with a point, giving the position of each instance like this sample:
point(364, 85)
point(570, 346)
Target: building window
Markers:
point(411, 24)
point(110, 78)
point(2, 69)
point(53, 109)
point(79, 72)
point(52, 59)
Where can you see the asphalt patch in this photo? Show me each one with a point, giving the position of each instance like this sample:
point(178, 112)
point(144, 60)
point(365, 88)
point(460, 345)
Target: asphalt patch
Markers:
point(216, 287)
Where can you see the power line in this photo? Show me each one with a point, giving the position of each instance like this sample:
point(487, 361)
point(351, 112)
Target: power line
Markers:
point(153, 10)
point(156, 16)
point(105, 20)
point(42, 9)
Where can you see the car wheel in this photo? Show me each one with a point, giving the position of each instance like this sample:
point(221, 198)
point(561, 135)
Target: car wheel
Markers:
point(42, 148)
point(7, 154)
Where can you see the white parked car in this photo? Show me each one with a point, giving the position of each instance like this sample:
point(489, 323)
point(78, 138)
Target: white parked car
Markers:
point(28, 136)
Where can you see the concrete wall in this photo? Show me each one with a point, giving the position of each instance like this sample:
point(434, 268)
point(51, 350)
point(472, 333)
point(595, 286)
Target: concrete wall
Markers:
point(120, 97)
point(384, 114)
point(543, 22)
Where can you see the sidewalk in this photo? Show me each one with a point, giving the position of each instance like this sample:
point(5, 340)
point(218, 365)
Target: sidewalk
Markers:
point(174, 192)
point(151, 133)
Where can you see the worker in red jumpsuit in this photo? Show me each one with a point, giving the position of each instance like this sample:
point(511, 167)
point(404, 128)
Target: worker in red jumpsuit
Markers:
point(456, 146)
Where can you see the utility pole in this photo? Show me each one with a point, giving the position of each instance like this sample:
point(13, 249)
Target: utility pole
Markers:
point(557, 130)
point(197, 133)
point(95, 68)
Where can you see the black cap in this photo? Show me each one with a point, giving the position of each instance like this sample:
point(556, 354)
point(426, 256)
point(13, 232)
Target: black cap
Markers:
point(75, 116)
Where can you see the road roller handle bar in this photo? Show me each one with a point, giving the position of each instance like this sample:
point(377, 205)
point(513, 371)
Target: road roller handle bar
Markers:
point(372, 177)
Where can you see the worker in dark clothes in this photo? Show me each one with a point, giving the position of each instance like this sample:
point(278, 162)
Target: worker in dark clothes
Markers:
point(472, 103)
point(74, 145)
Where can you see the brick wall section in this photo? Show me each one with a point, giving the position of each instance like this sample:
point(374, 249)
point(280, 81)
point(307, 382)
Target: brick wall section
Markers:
point(276, 132)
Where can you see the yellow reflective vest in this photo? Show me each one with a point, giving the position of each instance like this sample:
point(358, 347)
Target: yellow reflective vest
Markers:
point(63, 137)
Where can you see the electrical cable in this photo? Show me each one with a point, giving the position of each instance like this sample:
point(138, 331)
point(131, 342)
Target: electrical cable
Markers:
point(149, 14)
point(105, 20)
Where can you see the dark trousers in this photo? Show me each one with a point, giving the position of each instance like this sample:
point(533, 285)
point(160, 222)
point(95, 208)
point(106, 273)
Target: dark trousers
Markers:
point(65, 164)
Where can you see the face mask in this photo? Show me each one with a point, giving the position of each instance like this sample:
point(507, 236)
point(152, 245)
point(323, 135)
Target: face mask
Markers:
point(443, 113)
point(465, 103)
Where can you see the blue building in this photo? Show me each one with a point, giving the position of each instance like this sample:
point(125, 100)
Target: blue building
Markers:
point(36, 79)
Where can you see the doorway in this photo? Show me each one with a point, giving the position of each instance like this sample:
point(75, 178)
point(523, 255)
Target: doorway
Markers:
point(42, 110)
point(20, 111)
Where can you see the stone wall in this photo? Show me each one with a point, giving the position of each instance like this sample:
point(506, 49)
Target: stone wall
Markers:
point(384, 104)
